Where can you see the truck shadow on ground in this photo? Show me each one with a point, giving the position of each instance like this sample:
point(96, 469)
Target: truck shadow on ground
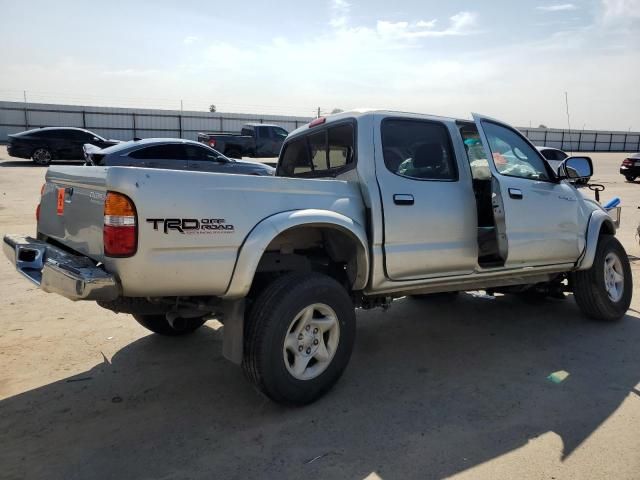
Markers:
point(432, 389)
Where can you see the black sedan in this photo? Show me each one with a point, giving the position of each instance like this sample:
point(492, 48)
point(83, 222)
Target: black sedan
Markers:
point(49, 143)
point(630, 167)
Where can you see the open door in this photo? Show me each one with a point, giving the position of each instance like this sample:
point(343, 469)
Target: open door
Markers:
point(536, 215)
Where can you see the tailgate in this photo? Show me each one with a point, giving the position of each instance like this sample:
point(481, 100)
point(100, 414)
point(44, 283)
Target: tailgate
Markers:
point(72, 208)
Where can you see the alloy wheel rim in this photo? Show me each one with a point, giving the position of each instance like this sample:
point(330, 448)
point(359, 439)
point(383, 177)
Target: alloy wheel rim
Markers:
point(613, 277)
point(311, 341)
point(42, 156)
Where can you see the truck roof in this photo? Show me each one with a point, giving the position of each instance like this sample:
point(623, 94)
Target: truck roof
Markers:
point(362, 112)
point(260, 125)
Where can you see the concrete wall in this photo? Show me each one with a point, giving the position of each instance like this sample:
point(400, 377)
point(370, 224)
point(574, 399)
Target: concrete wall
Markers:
point(127, 123)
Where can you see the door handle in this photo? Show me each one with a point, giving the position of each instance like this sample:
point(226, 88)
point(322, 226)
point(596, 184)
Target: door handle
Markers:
point(403, 199)
point(515, 193)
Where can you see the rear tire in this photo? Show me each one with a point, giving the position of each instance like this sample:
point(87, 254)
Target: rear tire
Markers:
point(160, 325)
point(630, 178)
point(42, 156)
point(604, 291)
point(299, 337)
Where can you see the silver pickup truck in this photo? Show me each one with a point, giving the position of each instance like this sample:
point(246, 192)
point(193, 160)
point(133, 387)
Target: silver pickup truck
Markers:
point(365, 207)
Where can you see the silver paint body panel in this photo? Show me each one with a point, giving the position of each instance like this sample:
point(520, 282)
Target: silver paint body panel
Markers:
point(400, 248)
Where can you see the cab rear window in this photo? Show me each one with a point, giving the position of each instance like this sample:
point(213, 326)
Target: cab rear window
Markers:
point(321, 153)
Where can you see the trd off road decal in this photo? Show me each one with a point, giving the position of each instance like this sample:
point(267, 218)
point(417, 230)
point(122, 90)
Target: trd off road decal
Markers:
point(192, 225)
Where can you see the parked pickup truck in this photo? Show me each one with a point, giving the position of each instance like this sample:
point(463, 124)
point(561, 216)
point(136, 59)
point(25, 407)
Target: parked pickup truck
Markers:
point(365, 207)
point(254, 140)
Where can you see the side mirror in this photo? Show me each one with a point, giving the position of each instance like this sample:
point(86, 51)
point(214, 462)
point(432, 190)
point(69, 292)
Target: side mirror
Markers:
point(576, 168)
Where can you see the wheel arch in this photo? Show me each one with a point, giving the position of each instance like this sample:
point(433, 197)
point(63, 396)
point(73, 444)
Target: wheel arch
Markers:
point(270, 230)
point(600, 223)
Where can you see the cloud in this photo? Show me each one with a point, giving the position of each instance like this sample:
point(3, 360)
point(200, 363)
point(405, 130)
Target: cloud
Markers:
point(428, 24)
point(339, 13)
point(462, 23)
point(189, 40)
point(562, 7)
point(620, 9)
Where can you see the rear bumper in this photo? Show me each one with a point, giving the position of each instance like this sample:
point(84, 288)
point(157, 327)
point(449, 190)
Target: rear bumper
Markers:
point(18, 152)
point(630, 171)
point(56, 271)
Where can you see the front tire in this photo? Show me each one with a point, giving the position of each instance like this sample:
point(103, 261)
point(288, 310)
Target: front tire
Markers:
point(299, 337)
point(630, 178)
point(604, 291)
point(160, 325)
point(42, 156)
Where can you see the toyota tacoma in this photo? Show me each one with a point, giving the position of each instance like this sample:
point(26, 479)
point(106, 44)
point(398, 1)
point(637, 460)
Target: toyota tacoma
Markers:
point(365, 207)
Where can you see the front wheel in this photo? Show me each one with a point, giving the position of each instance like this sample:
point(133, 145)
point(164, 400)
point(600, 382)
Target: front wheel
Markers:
point(604, 291)
point(630, 178)
point(299, 337)
point(160, 325)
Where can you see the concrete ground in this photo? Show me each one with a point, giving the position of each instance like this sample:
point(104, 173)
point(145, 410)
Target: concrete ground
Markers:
point(433, 390)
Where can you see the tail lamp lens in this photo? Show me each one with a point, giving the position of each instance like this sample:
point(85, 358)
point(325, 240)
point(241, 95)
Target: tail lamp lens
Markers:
point(212, 143)
point(120, 233)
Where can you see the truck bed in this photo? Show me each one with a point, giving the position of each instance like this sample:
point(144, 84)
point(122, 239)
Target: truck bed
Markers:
point(169, 261)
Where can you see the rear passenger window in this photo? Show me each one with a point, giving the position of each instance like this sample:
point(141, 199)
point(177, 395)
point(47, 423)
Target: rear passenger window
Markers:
point(318, 148)
point(172, 151)
point(418, 149)
point(325, 152)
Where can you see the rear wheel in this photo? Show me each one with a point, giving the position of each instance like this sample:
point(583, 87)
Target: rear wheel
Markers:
point(604, 291)
point(630, 178)
point(299, 337)
point(41, 156)
point(160, 325)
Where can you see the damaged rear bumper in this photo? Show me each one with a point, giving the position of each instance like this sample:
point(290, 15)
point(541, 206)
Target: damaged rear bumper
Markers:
point(56, 271)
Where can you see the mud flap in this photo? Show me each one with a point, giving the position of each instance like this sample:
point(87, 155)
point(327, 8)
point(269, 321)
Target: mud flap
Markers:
point(233, 339)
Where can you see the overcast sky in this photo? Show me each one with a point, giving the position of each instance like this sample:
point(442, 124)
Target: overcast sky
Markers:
point(509, 59)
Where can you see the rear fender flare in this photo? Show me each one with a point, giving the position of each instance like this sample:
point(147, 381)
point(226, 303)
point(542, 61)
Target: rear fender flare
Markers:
point(268, 229)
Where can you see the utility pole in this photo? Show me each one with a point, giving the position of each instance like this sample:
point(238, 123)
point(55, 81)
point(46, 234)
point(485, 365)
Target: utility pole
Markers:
point(566, 101)
point(180, 106)
point(26, 112)
point(318, 113)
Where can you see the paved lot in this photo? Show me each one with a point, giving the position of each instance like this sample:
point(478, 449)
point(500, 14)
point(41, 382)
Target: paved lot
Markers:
point(432, 391)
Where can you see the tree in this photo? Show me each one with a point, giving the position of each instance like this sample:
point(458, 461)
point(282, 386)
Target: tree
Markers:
point(336, 110)
point(212, 108)
point(542, 126)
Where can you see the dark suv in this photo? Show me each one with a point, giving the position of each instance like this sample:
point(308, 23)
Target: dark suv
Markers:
point(49, 143)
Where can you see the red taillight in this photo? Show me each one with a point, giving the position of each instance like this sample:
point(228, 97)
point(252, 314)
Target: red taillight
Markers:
point(38, 213)
point(212, 142)
point(627, 162)
point(120, 232)
point(317, 121)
